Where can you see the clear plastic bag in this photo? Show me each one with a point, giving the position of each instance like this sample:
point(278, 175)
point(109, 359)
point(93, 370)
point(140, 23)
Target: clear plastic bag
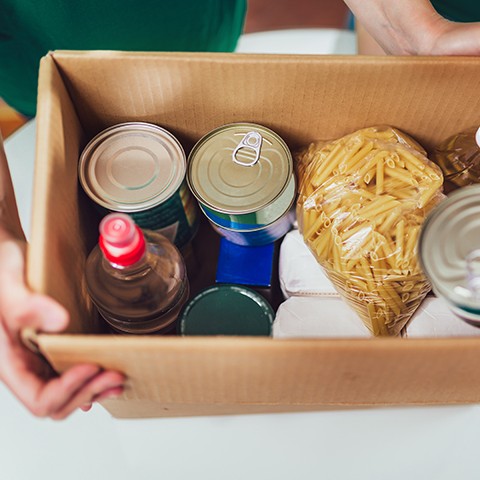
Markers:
point(362, 201)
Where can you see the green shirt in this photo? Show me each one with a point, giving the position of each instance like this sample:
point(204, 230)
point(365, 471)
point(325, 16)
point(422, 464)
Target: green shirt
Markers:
point(31, 28)
point(458, 10)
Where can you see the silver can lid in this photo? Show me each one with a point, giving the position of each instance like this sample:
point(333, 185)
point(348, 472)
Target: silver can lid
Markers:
point(132, 167)
point(449, 237)
point(239, 168)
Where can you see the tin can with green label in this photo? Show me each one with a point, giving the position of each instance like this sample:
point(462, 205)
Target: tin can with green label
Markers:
point(449, 251)
point(139, 169)
point(242, 175)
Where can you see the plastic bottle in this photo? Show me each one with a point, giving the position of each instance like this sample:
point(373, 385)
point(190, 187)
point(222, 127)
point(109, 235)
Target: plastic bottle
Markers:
point(137, 279)
point(459, 157)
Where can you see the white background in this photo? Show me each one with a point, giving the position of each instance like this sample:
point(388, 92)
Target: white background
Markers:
point(402, 443)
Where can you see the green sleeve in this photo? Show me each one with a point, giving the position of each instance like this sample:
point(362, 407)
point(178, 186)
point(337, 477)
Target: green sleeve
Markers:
point(458, 10)
point(31, 28)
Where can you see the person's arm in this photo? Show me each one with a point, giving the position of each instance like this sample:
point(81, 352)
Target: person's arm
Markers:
point(413, 27)
point(43, 392)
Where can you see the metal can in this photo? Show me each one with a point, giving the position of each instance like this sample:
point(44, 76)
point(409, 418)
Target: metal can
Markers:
point(226, 310)
point(449, 251)
point(242, 175)
point(139, 168)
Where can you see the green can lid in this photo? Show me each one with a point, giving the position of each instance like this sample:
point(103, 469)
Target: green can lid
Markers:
point(132, 167)
point(239, 168)
point(227, 310)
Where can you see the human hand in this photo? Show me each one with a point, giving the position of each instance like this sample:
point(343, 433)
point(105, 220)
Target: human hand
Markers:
point(28, 376)
point(453, 38)
point(413, 27)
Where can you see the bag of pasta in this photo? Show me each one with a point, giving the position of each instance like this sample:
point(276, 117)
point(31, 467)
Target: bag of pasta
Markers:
point(362, 201)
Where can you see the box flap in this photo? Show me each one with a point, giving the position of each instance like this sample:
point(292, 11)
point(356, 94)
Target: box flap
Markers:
point(189, 376)
point(303, 98)
point(58, 244)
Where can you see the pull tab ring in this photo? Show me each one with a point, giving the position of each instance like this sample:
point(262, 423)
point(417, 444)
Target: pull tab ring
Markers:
point(252, 141)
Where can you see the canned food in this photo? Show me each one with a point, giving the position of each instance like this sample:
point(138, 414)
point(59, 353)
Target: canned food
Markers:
point(449, 248)
point(139, 168)
point(227, 310)
point(242, 175)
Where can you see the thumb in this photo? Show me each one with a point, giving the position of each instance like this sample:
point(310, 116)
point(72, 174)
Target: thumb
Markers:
point(36, 311)
point(19, 306)
point(22, 308)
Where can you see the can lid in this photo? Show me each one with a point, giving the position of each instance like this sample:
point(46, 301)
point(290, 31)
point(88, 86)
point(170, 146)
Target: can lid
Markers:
point(449, 236)
point(227, 310)
point(132, 167)
point(239, 168)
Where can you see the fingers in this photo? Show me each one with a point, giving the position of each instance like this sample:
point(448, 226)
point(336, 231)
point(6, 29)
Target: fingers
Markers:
point(20, 369)
point(18, 305)
point(36, 311)
point(60, 396)
point(110, 393)
point(43, 398)
point(106, 384)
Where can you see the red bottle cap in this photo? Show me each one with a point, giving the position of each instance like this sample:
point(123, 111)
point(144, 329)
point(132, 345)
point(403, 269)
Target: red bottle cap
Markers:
point(121, 241)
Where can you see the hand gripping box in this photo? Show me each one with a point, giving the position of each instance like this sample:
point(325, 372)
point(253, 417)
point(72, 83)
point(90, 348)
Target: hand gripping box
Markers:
point(302, 98)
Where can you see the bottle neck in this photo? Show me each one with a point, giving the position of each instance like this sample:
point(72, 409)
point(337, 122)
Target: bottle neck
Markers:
point(124, 255)
point(140, 264)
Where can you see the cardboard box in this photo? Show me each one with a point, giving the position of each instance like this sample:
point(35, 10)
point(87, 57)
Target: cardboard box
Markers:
point(303, 99)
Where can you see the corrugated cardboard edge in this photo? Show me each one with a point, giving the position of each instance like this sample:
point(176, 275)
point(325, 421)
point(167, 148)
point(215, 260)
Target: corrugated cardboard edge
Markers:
point(209, 78)
point(36, 259)
point(55, 114)
point(259, 375)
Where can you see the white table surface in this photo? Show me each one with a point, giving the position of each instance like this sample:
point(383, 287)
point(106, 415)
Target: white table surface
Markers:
point(397, 443)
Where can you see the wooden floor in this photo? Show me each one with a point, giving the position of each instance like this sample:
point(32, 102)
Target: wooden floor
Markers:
point(262, 15)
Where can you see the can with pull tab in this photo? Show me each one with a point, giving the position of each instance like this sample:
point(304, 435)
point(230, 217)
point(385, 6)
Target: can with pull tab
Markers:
point(242, 175)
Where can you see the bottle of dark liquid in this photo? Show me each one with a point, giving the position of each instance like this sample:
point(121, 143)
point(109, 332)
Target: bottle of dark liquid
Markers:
point(459, 157)
point(137, 279)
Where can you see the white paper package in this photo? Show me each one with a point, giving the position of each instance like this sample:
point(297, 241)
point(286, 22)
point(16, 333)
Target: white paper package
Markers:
point(313, 308)
point(299, 271)
point(324, 317)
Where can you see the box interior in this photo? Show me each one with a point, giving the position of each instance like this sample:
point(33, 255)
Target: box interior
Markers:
point(302, 98)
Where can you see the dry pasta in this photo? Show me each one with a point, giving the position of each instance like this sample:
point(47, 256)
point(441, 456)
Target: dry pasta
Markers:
point(362, 201)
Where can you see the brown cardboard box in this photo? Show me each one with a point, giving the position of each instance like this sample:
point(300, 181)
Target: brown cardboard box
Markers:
point(301, 98)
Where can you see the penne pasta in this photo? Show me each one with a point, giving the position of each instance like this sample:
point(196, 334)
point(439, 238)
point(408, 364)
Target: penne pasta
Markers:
point(402, 175)
point(359, 157)
point(362, 201)
point(329, 164)
point(380, 177)
point(399, 240)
